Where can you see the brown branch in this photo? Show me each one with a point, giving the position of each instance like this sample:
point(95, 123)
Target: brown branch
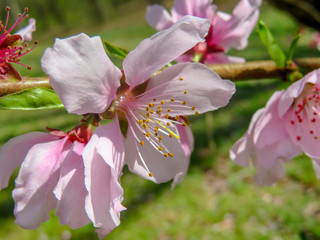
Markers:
point(9, 87)
point(263, 69)
point(235, 72)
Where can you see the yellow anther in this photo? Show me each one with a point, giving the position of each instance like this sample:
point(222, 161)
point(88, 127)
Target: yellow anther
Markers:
point(171, 154)
point(151, 105)
point(140, 122)
point(184, 102)
point(176, 118)
point(142, 143)
point(169, 110)
point(172, 100)
point(160, 138)
point(147, 109)
point(159, 106)
point(171, 135)
point(193, 108)
point(160, 148)
point(184, 124)
point(168, 124)
point(196, 113)
point(180, 78)
point(165, 155)
point(159, 111)
point(147, 120)
point(185, 92)
point(150, 174)
point(167, 116)
point(156, 134)
point(144, 126)
point(148, 114)
point(162, 102)
point(148, 134)
point(151, 111)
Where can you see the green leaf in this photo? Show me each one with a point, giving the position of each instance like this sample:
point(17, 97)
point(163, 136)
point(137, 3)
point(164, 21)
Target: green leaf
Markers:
point(115, 50)
point(293, 47)
point(275, 52)
point(31, 99)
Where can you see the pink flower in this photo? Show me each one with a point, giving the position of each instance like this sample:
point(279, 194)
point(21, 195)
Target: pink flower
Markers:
point(287, 126)
point(51, 176)
point(12, 47)
point(315, 43)
point(148, 104)
point(226, 31)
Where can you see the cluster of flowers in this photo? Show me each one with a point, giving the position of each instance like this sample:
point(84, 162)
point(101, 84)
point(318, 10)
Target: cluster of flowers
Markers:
point(78, 172)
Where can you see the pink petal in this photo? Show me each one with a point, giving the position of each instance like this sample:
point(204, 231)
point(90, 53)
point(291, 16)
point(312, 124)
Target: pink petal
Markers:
point(81, 74)
point(243, 149)
point(270, 129)
point(26, 32)
point(186, 139)
point(147, 159)
point(158, 17)
point(155, 52)
point(295, 90)
point(15, 150)
point(198, 8)
point(221, 57)
point(316, 167)
point(39, 174)
point(70, 190)
point(205, 90)
point(268, 176)
point(233, 31)
point(103, 202)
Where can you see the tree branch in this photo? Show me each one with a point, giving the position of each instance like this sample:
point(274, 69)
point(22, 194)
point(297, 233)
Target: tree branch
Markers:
point(234, 71)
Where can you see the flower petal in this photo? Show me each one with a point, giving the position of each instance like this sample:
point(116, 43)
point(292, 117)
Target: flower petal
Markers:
point(15, 150)
point(81, 74)
point(221, 57)
point(103, 202)
point(39, 173)
point(194, 83)
point(295, 90)
point(268, 176)
point(147, 159)
point(233, 31)
point(70, 190)
point(243, 149)
point(158, 17)
point(26, 32)
point(270, 129)
point(165, 46)
point(199, 8)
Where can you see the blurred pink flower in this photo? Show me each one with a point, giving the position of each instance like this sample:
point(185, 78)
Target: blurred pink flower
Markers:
point(288, 126)
point(51, 176)
point(147, 103)
point(12, 47)
point(315, 43)
point(226, 31)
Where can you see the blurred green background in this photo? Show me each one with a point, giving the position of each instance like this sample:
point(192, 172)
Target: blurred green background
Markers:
point(217, 199)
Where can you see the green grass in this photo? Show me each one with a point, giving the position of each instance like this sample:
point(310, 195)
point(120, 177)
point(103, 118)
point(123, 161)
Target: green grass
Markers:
point(217, 199)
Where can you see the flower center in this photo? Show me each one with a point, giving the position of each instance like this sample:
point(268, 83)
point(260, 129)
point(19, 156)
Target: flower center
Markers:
point(307, 110)
point(154, 116)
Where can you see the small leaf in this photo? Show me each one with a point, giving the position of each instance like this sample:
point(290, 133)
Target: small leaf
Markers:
point(275, 52)
point(115, 50)
point(292, 48)
point(31, 99)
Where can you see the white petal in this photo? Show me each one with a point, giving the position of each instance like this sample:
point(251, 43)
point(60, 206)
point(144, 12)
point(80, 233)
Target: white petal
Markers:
point(15, 150)
point(165, 46)
point(81, 74)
